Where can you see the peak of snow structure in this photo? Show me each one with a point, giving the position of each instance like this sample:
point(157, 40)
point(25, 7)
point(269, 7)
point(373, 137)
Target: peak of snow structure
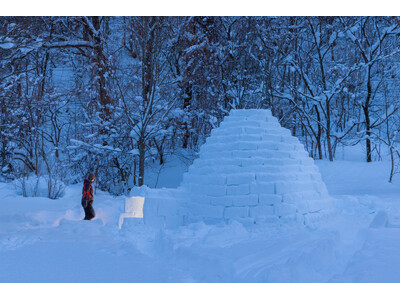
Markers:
point(251, 170)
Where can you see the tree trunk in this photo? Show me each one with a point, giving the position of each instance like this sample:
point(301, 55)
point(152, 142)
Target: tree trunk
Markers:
point(142, 153)
point(319, 134)
point(4, 139)
point(366, 114)
point(99, 62)
point(160, 149)
point(101, 65)
point(392, 164)
point(186, 104)
point(148, 63)
point(328, 130)
point(134, 171)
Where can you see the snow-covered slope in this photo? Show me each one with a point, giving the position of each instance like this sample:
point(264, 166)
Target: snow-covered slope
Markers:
point(43, 240)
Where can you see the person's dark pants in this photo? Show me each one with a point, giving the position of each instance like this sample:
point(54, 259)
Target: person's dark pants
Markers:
point(89, 211)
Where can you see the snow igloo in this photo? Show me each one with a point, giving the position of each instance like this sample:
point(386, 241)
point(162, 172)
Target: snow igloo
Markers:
point(250, 169)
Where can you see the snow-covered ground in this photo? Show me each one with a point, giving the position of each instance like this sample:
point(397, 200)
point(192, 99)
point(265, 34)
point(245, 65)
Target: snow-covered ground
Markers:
point(43, 240)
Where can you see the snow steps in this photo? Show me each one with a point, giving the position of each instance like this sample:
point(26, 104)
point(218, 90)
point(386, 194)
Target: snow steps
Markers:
point(251, 170)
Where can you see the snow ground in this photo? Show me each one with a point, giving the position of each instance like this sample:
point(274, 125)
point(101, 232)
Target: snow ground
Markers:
point(43, 240)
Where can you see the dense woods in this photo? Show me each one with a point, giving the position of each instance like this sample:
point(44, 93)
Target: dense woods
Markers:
point(108, 94)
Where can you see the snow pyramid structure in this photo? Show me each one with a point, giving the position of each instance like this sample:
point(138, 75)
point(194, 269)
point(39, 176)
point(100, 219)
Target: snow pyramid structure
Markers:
point(250, 169)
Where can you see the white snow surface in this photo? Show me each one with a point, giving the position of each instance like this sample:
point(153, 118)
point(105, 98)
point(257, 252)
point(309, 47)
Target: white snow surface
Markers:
point(43, 240)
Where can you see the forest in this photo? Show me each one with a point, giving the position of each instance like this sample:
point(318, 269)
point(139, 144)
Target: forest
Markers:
point(106, 95)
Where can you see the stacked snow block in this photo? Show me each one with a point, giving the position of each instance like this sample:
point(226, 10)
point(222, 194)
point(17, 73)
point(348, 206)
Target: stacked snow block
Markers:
point(251, 169)
point(165, 208)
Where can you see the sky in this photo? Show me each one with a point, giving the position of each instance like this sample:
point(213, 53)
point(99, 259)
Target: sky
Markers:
point(203, 7)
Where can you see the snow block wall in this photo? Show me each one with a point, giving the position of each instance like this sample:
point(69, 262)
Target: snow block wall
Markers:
point(251, 170)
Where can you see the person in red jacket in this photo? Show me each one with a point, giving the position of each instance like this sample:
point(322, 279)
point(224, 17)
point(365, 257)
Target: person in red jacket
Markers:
point(87, 197)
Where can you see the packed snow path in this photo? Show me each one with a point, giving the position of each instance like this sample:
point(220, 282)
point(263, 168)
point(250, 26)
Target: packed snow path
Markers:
point(44, 240)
